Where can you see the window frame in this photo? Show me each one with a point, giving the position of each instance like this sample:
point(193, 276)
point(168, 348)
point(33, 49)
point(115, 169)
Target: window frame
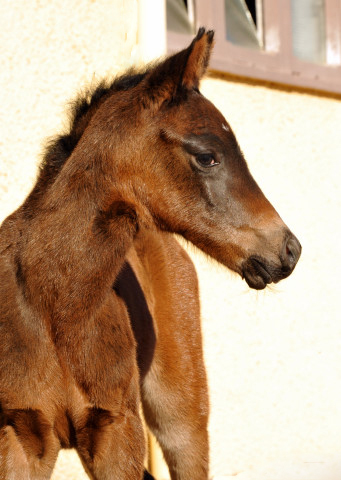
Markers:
point(276, 62)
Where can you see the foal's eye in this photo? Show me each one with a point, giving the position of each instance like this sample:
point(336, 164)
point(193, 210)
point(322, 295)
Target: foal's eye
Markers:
point(206, 159)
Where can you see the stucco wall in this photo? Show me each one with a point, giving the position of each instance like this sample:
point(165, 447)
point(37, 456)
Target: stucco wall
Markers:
point(273, 358)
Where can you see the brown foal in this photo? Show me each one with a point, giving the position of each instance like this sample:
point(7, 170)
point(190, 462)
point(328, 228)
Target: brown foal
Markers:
point(145, 156)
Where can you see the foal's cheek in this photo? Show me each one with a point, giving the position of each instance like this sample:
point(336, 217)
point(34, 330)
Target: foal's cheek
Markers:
point(216, 193)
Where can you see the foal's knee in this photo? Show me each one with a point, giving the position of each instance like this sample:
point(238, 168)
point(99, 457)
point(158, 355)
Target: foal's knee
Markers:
point(28, 445)
point(94, 433)
point(32, 429)
point(111, 445)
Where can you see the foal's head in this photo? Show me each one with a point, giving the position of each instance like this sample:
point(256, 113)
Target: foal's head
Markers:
point(174, 156)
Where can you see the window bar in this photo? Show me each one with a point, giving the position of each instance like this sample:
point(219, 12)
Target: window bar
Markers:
point(271, 25)
point(191, 12)
point(333, 32)
point(260, 26)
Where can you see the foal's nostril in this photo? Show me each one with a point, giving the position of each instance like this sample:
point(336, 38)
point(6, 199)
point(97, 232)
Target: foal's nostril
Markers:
point(291, 252)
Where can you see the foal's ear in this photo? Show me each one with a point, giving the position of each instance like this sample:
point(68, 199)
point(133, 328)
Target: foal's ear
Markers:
point(198, 58)
point(181, 71)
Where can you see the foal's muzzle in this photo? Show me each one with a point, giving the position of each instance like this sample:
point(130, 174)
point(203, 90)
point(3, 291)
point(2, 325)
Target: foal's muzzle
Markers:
point(259, 272)
point(290, 254)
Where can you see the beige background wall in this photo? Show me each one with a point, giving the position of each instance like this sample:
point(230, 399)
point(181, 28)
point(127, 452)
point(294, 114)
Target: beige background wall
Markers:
point(274, 357)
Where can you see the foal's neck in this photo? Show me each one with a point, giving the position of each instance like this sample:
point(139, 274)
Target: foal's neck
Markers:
point(78, 239)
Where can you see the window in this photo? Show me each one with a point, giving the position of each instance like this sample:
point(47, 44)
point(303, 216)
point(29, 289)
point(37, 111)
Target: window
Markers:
point(243, 23)
point(180, 16)
point(287, 41)
point(308, 30)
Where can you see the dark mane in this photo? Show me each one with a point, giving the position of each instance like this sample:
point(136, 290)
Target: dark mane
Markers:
point(59, 148)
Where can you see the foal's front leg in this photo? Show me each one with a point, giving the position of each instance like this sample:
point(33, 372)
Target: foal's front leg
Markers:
point(109, 447)
point(109, 433)
point(28, 446)
point(174, 391)
point(175, 406)
point(166, 322)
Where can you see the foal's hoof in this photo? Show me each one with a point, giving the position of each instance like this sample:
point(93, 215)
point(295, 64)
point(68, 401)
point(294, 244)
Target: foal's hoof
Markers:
point(147, 476)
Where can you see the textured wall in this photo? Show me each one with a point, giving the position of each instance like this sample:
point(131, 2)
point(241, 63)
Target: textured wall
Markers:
point(274, 357)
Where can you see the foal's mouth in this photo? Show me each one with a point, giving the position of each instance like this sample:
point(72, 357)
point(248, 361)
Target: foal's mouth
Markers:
point(258, 273)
